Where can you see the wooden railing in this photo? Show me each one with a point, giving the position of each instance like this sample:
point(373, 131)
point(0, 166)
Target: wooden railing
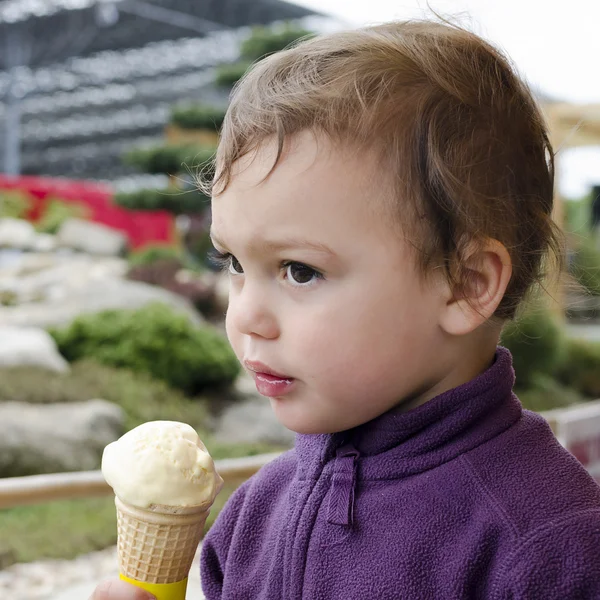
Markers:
point(577, 429)
point(37, 489)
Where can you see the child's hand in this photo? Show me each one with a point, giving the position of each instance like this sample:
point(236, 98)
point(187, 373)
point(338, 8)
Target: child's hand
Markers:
point(115, 589)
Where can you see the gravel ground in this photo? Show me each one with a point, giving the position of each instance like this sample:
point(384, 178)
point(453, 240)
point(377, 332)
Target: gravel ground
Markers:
point(70, 579)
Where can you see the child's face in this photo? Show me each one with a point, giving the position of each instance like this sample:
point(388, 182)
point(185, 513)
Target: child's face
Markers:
point(326, 308)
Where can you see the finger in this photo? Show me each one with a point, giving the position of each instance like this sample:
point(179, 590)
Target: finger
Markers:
point(115, 589)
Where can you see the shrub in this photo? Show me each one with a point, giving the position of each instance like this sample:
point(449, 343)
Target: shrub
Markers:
point(229, 75)
point(536, 342)
point(57, 212)
point(154, 340)
point(153, 253)
point(577, 214)
point(193, 258)
point(585, 266)
point(199, 117)
point(170, 158)
point(581, 367)
point(172, 200)
point(265, 40)
point(14, 204)
point(545, 393)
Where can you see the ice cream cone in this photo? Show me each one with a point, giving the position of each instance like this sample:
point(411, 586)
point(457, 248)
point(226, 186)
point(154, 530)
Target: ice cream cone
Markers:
point(165, 482)
point(156, 546)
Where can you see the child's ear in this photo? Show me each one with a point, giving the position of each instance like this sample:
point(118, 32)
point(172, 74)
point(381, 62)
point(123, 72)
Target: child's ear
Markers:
point(487, 270)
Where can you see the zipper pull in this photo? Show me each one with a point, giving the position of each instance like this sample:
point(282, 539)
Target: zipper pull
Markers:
point(343, 485)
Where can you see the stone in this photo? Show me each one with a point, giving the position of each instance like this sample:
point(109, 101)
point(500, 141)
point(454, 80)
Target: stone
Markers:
point(16, 233)
point(30, 346)
point(54, 438)
point(29, 263)
point(48, 277)
point(248, 418)
point(72, 579)
point(67, 300)
point(92, 238)
point(44, 242)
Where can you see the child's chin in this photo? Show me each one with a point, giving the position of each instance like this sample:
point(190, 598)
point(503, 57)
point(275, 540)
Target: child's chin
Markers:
point(298, 423)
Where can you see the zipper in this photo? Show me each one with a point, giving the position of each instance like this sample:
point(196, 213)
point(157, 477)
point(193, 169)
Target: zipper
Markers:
point(343, 487)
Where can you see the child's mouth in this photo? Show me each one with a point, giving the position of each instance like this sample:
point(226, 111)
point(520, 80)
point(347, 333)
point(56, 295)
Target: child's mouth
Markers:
point(272, 385)
point(268, 382)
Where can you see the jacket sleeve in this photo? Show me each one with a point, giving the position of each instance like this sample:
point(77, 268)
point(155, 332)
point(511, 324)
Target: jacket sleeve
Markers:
point(216, 544)
point(560, 561)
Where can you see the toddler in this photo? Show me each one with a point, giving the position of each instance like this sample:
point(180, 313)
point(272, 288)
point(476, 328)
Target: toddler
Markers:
point(382, 202)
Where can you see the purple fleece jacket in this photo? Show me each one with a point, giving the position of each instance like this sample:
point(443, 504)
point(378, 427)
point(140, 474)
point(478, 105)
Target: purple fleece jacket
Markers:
point(466, 496)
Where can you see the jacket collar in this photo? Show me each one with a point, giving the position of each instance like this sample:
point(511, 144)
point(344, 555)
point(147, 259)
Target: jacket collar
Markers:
point(401, 443)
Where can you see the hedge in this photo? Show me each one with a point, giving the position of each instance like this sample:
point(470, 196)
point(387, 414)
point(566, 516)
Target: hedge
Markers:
point(170, 159)
point(585, 266)
point(198, 117)
point(264, 41)
point(154, 340)
point(172, 200)
point(229, 75)
point(537, 344)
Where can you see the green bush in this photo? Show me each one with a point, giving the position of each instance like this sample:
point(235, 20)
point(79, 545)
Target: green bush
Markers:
point(57, 212)
point(586, 266)
point(172, 200)
point(199, 117)
point(170, 159)
point(578, 214)
point(229, 75)
point(14, 204)
point(545, 393)
point(153, 253)
point(154, 340)
point(536, 342)
point(141, 397)
point(581, 367)
point(265, 40)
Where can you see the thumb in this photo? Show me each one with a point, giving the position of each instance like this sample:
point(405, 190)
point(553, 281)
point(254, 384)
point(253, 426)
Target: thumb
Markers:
point(115, 589)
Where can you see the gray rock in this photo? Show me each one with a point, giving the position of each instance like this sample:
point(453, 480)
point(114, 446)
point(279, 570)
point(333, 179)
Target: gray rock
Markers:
point(28, 263)
point(250, 419)
point(66, 303)
point(93, 238)
point(54, 438)
point(16, 233)
point(44, 242)
point(28, 346)
point(41, 277)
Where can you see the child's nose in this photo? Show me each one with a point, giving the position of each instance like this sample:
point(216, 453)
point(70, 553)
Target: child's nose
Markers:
point(250, 312)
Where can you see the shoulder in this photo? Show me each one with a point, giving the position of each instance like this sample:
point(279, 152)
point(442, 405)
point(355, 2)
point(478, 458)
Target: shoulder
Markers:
point(529, 477)
point(550, 508)
point(559, 560)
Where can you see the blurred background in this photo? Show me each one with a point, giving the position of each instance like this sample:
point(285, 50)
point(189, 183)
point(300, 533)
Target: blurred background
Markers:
point(111, 313)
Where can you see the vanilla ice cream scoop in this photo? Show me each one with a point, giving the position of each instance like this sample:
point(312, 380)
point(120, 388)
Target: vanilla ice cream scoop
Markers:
point(161, 463)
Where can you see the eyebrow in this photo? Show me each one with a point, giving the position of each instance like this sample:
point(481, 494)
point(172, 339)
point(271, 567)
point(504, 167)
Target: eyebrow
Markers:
point(286, 243)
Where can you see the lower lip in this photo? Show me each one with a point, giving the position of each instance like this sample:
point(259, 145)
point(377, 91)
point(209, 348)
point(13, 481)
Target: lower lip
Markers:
point(272, 386)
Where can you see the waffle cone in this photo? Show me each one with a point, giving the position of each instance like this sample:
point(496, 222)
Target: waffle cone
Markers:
point(158, 544)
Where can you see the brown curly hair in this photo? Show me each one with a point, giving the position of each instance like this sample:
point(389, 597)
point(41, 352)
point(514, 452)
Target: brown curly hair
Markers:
point(456, 132)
